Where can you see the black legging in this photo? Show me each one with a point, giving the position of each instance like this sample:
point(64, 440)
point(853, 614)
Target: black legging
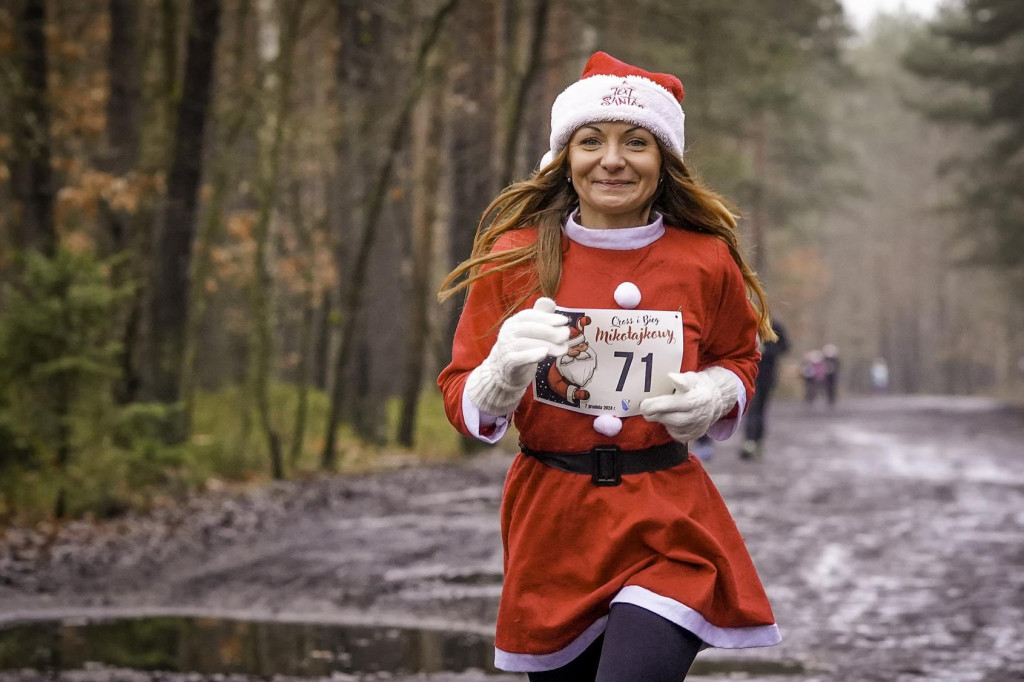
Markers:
point(637, 645)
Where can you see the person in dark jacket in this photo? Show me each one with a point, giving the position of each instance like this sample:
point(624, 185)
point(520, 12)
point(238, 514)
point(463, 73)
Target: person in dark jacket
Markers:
point(831, 380)
point(767, 375)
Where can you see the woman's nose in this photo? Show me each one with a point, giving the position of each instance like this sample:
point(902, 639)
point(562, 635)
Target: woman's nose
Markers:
point(612, 157)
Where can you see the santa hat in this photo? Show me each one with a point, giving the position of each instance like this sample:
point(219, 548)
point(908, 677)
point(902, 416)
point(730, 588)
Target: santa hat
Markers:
point(612, 90)
point(576, 336)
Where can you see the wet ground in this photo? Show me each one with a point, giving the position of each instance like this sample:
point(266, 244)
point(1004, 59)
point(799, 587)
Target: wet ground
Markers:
point(889, 533)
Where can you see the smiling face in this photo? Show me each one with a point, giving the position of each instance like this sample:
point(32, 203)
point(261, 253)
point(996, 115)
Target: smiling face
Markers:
point(614, 168)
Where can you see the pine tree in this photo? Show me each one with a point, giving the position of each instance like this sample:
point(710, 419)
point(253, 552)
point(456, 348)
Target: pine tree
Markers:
point(978, 55)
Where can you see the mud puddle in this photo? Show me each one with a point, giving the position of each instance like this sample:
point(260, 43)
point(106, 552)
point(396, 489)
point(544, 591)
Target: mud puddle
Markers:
point(212, 646)
point(262, 649)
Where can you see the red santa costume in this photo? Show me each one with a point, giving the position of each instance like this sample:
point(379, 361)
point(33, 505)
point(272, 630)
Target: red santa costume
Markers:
point(661, 540)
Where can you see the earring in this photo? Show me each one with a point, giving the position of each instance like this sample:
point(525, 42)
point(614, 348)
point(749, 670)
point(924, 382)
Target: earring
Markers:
point(568, 178)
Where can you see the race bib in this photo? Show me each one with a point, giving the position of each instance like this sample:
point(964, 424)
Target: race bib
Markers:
point(616, 359)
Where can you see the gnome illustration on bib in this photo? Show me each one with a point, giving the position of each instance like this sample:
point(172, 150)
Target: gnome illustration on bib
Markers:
point(569, 373)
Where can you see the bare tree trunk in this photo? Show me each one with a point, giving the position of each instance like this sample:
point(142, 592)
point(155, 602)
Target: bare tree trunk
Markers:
point(359, 31)
point(306, 330)
point(505, 22)
point(427, 128)
point(516, 102)
point(277, 53)
point(170, 12)
point(365, 413)
point(759, 213)
point(124, 122)
point(157, 124)
point(237, 119)
point(177, 222)
point(123, 107)
point(472, 138)
point(33, 187)
point(322, 342)
point(63, 411)
point(31, 173)
point(375, 203)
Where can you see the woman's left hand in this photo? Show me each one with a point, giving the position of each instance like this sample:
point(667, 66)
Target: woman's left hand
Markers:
point(700, 399)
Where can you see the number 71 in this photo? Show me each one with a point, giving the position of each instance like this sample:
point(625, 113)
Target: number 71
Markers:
point(648, 361)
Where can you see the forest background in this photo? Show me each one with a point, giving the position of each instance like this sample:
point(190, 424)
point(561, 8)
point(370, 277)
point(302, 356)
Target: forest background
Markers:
point(223, 222)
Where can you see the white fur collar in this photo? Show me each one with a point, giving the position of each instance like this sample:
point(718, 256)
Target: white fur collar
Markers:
point(617, 239)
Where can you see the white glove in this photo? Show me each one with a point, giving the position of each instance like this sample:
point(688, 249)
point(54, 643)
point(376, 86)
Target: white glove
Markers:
point(700, 400)
point(524, 340)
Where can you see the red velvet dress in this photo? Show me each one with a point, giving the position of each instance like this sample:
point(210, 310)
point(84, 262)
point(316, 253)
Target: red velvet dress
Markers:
point(664, 540)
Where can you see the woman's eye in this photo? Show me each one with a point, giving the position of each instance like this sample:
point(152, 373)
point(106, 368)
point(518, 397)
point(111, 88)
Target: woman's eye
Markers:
point(637, 142)
point(589, 141)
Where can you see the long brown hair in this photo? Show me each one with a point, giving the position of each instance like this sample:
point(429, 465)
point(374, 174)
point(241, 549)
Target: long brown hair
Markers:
point(545, 200)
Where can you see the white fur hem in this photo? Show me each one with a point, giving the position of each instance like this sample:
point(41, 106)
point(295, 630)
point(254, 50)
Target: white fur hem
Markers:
point(723, 429)
point(684, 616)
point(474, 419)
point(532, 663)
point(670, 609)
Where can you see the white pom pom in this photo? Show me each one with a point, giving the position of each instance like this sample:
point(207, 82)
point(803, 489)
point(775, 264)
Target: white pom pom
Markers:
point(627, 295)
point(608, 425)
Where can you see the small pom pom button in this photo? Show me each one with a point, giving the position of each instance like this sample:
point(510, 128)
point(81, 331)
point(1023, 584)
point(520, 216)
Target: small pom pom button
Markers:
point(627, 295)
point(608, 425)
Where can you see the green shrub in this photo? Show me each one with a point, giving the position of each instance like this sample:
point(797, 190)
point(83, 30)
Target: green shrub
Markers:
point(56, 350)
point(62, 436)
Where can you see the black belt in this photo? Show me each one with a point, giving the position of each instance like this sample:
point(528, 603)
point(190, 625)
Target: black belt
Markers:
point(606, 464)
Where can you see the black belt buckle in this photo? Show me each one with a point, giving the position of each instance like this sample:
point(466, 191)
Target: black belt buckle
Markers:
point(607, 466)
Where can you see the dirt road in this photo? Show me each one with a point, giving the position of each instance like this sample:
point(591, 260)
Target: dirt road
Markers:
point(889, 533)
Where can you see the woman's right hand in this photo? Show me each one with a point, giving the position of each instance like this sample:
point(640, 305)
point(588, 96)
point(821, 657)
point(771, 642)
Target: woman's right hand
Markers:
point(524, 339)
